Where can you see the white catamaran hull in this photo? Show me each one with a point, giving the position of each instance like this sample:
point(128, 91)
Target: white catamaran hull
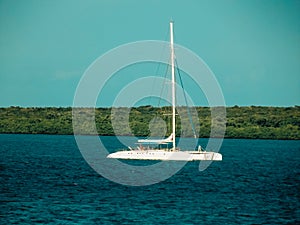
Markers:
point(166, 155)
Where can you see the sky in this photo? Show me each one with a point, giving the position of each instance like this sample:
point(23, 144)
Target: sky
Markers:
point(252, 47)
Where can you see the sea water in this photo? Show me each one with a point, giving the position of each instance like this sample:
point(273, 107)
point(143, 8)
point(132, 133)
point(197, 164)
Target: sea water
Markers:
point(45, 180)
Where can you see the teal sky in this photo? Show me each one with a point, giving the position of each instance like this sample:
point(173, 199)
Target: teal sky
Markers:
point(253, 47)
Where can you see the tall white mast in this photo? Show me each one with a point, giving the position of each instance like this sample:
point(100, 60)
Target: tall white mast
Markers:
point(173, 85)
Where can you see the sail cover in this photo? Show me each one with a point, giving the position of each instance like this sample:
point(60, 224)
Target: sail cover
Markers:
point(157, 141)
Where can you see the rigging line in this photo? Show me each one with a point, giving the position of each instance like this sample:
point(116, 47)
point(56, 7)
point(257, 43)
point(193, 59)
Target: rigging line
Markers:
point(158, 67)
point(167, 68)
point(163, 86)
point(185, 99)
point(164, 111)
point(166, 81)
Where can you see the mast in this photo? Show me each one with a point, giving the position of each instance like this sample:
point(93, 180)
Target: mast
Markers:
point(173, 84)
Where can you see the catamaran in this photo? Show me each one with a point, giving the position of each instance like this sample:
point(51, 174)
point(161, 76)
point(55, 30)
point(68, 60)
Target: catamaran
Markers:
point(163, 152)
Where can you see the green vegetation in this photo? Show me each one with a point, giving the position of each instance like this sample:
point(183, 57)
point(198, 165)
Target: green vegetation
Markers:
point(242, 122)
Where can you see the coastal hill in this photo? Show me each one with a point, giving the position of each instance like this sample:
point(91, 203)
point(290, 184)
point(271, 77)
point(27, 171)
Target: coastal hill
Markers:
point(253, 122)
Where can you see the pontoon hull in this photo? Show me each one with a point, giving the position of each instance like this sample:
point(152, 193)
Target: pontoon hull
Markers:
point(167, 155)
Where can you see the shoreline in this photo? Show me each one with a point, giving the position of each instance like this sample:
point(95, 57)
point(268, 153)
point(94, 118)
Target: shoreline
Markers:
point(87, 135)
point(254, 122)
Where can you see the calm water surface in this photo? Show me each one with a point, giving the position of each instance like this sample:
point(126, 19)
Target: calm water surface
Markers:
point(45, 180)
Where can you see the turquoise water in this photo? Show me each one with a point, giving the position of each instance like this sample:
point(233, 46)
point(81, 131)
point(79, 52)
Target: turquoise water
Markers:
point(45, 180)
